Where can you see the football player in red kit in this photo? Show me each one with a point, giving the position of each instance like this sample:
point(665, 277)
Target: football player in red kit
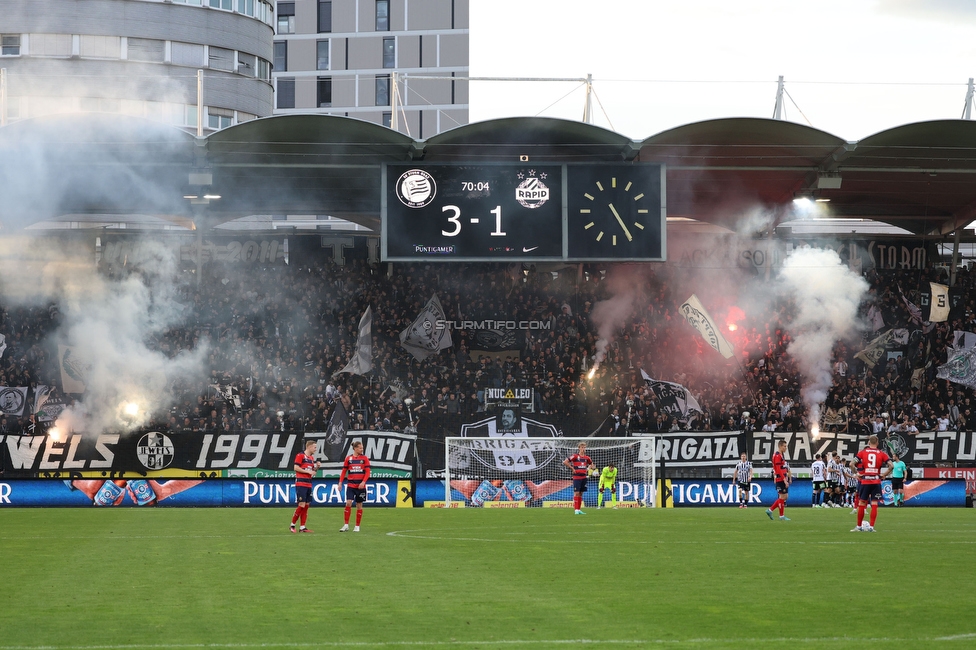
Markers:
point(580, 463)
point(355, 471)
point(783, 476)
point(305, 468)
point(870, 460)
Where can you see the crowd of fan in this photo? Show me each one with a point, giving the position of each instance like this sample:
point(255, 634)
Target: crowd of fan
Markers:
point(277, 337)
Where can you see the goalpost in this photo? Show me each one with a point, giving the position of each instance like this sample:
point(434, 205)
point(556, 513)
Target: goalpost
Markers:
point(524, 471)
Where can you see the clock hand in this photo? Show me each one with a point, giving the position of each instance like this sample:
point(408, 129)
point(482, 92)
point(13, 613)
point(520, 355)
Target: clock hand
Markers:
point(621, 222)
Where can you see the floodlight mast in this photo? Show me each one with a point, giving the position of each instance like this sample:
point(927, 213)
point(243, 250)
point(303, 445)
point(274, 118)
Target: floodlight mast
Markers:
point(778, 108)
point(967, 110)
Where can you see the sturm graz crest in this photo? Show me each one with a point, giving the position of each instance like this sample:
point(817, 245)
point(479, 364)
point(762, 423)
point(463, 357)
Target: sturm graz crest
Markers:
point(897, 445)
point(155, 451)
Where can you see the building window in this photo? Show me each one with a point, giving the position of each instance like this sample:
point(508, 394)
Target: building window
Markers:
point(322, 55)
point(389, 52)
point(60, 45)
point(325, 16)
point(100, 47)
point(286, 17)
point(226, 5)
point(383, 90)
point(280, 56)
point(264, 69)
point(221, 59)
point(382, 15)
point(324, 92)
point(286, 92)
point(219, 118)
point(387, 119)
point(187, 54)
point(247, 64)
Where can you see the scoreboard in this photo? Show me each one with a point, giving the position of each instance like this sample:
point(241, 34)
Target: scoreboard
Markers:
point(523, 212)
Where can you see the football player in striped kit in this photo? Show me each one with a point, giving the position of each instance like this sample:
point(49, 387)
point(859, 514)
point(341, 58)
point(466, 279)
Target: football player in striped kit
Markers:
point(818, 476)
point(835, 482)
point(742, 478)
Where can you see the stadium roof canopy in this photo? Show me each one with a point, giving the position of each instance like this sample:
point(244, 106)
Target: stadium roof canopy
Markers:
point(919, 177)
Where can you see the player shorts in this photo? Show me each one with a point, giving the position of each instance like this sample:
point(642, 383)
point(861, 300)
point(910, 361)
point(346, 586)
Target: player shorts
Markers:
point(897, 484)
point(579, 485)
point(869, 492)
point(820, 485)
point(303, 494)
point(609, 486)
point(355, 494)
point(745, 487)
point(782, 487)
point(832, 485)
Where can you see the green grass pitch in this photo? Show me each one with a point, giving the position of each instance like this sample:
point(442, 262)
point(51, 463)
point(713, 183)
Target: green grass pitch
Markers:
point(472, 578)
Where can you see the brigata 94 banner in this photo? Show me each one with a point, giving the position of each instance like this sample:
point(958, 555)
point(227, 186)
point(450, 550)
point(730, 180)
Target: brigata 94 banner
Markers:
point(189, 493)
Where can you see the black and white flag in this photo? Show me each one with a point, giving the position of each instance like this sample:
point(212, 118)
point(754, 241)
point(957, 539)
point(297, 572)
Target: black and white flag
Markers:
point(422, 338)
point(676, 400)
point(12, 400)
point(362, 358)
point(696, 315)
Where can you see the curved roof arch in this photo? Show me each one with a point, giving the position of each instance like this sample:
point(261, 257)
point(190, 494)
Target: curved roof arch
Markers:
point(545, 138)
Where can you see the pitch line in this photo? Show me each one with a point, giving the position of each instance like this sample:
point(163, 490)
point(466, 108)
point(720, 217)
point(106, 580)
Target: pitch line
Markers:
point(408, 534)
point(499, 643)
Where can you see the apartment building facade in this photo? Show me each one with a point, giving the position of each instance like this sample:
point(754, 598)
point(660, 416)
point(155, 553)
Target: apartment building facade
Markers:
point(138, 57)
point(400, 63)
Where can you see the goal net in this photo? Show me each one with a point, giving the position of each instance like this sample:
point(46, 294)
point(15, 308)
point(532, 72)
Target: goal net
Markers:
point(520, 471)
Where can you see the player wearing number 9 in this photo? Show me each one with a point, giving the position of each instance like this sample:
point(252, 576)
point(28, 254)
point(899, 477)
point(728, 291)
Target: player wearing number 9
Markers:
point(870, 460)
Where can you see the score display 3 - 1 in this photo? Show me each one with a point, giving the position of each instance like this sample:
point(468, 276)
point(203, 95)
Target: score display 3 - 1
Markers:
point(523, 212)
point(472, 212)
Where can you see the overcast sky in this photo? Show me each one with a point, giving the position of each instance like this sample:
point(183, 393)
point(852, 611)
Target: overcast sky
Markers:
point(853, 67)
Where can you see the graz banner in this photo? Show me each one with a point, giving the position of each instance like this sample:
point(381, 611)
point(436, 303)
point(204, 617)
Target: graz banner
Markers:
point(923, 448)
point(190, 455)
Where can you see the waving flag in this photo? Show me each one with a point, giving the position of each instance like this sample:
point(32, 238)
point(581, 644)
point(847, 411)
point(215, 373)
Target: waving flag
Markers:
point(694, 312)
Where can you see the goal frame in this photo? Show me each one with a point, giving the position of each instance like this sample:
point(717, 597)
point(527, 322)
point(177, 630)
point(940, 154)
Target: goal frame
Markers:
point(645, 467)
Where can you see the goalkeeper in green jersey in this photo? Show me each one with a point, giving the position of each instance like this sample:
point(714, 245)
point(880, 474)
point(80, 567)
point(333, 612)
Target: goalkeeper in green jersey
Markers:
point(608, 481)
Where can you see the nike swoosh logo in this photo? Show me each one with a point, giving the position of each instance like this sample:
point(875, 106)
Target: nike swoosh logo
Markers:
point(529, 250)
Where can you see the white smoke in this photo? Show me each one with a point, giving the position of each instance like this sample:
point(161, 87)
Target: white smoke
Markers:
point(827, 295)
point(109, 324)
point(625, 285)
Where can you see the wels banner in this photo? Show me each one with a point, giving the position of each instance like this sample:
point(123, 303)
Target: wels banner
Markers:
point(185, 493)
point(191, 455)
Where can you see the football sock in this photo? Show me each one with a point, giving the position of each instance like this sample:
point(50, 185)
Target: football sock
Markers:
point(782, 508)
point(294, 517)
point(776, 504)
point(359, 517)
point(613, 499)
point(874, 513)
point(304, 516)
point(346, 514)
point(816, 498)
point(860, 513)
point(599, 499)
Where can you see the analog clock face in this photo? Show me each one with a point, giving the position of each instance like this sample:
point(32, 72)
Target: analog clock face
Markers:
point(614, 212)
